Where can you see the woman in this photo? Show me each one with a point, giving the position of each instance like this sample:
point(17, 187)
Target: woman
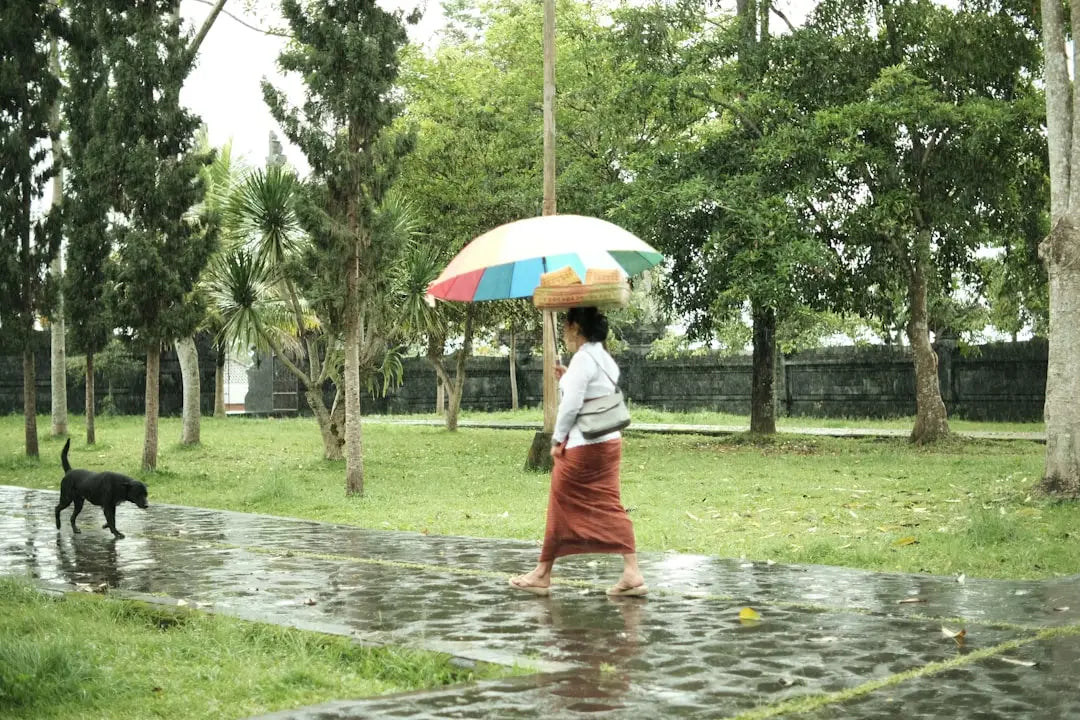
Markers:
point(585, 513)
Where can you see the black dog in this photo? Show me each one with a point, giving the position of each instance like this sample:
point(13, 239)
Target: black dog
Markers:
point(107, 489)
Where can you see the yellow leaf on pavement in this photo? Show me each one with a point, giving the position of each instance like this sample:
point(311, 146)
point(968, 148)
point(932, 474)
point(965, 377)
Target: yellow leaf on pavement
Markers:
point(749, 615)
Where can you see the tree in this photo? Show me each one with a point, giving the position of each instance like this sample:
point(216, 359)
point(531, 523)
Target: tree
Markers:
point(255, 284)
point(58, 363)
point(96, 140)
point(88, 283)
point(221, 179)
point(920, 158)
point(28, 243)
point(479, 160)
point(1060, 251)
point(155, 182)
point(208, 216)
point(706, 192)
point(347, 53)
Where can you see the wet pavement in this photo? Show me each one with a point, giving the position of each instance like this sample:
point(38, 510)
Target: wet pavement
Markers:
point(830, 643)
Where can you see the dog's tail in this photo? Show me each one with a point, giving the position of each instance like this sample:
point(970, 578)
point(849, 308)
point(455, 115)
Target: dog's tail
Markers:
point(63, 456)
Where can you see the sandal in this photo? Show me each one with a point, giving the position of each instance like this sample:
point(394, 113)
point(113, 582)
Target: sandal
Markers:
point(620, 590)
point(519, 584)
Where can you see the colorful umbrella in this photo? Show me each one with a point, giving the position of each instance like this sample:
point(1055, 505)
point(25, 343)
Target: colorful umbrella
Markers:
point(507, 262)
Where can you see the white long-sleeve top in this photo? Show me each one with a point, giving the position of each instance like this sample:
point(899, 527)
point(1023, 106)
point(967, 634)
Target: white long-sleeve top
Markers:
point(584, 379)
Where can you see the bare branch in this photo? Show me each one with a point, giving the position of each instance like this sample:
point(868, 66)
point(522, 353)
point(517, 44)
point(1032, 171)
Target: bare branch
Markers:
point(249, 26)
point(746, 120)
point(783, 17)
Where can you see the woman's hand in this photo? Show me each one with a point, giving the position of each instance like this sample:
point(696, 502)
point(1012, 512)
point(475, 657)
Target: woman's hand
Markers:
point(559, 450)
point(560, 370)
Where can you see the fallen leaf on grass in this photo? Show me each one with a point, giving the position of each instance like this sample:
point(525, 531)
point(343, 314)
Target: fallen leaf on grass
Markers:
point(181, 602)
point(910, 600)
point(692, 516)
point(1063, 608)
point(87, 588)
point(956, 635)
point(909, 540)
point(1022, 663)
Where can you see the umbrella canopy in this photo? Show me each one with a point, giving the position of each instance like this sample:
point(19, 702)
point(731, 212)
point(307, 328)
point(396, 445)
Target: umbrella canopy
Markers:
point(507, 262)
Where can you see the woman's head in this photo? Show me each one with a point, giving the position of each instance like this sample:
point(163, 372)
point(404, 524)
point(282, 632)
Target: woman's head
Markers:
point(589, 322)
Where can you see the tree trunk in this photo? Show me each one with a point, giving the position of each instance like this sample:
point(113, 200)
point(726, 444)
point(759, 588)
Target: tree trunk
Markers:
point(513, 371)
point(1061, 253)
point(30, 401)
point(90, 437)
point(354, 456)
point(150, 440)
point(440, 396)
point(332, 431)
point(931, 420)
point(458, 387)
point(219, 382)
point(763, 392)
point(58, 365)
point(58, 368)
point(188, 354)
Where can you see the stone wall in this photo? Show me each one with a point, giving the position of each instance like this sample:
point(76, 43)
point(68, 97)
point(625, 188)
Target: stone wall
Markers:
point(127, 398)
point(1004, 381)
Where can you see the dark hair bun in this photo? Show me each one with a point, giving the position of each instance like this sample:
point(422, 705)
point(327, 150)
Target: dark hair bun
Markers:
point(593, 323)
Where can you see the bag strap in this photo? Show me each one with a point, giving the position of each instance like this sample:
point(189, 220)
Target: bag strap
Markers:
point(601, 366)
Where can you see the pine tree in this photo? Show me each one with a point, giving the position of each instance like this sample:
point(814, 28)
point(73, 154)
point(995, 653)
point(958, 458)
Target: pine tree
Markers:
point(28, 241)
point(154, 181)
point(347, 52)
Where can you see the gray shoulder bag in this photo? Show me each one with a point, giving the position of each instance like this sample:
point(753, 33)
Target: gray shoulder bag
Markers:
point(605, 414)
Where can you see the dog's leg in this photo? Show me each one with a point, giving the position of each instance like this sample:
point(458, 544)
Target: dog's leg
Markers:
point(64, 502)
point(75, 513)
point(110, 521)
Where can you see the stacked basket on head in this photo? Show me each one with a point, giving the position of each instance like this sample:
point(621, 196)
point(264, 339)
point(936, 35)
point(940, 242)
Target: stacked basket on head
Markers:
point(562, 289)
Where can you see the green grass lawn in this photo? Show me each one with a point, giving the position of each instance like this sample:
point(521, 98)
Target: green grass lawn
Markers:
point(881, 504)
point(649, 415)
point(90, 657)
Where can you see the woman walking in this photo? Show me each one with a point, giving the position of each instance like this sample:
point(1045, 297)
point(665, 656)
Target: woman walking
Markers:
point(585, 512)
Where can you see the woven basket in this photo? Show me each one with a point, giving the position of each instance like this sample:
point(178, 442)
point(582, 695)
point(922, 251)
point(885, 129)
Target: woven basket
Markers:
point(562, 277)
point(594, 276)
point(605, 295)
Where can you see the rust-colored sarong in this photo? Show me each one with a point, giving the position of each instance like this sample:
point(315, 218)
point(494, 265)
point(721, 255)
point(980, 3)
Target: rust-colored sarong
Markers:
point(585, 513)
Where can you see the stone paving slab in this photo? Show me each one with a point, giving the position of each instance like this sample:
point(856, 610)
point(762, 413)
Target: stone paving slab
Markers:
point(681, 653)
point(992, 689)
point(1028, 603)
point(720, 430)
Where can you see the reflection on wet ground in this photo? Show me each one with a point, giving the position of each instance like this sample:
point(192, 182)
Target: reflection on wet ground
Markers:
point(683, 652)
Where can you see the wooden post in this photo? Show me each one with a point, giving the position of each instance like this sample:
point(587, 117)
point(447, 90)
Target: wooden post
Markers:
point(539, 453)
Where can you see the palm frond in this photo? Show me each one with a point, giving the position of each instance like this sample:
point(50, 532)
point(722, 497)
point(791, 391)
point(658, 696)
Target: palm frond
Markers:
point(262, 210)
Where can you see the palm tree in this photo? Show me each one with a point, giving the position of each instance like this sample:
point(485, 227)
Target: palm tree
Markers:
point(219, 178)
point(257, 296)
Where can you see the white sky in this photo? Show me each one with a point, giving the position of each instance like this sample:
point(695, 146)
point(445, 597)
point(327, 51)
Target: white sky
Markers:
point(224, 88)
